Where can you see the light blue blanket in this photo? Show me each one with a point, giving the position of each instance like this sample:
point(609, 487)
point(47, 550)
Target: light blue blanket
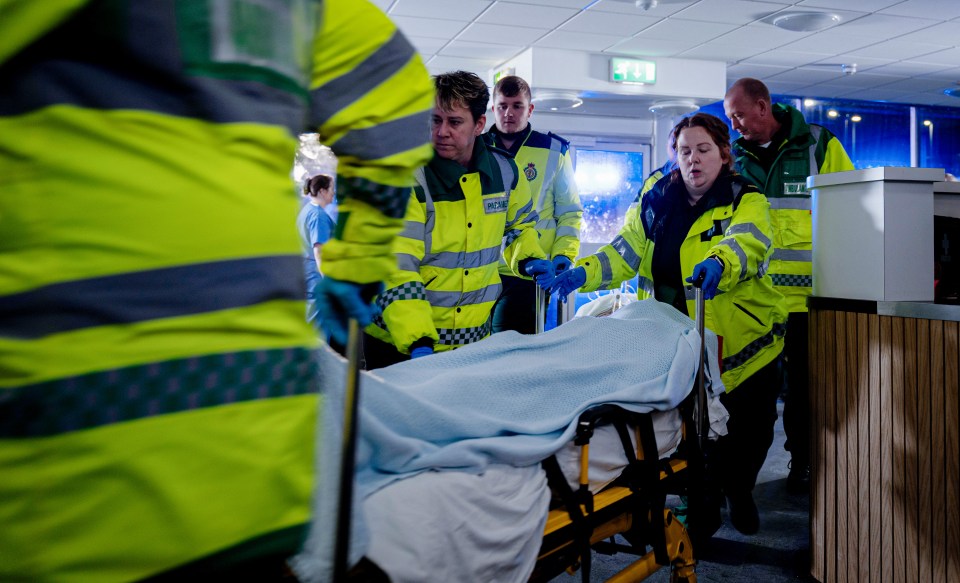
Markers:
point(510, 399)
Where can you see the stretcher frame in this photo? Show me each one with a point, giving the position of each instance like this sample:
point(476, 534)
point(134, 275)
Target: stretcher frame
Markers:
point(633, 505)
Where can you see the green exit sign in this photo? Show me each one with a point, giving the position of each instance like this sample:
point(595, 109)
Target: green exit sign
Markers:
point(632, 71)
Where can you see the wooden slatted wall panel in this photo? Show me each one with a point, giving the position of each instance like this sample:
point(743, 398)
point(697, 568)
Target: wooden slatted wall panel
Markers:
point(885, 407)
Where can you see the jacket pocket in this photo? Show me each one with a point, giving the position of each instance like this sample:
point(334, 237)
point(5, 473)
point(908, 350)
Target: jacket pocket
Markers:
point(747, 312)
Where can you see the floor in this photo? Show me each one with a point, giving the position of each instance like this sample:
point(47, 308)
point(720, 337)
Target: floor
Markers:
point(779, 552)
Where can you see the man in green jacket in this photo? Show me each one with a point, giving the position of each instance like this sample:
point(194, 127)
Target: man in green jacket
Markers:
point(777, 150)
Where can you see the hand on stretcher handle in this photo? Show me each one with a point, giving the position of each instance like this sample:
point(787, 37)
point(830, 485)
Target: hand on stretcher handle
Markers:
point(351, 402)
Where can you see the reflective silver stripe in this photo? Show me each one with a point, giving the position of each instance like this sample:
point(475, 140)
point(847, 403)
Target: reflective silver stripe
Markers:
point(549, 172)
point(546, 223)
point(153, 294)
point(751, 229)
point(568, 232)
point(506, 173)
point(336, 95)
point(223, 100)
point(750, 350)
point(531, 217)
point(787, 280)
point(412, 230)
point(568, 208)
point(454, 299)
point(460, 259)
point(793, 203)
point(384, 140)
point(645, 284)
point(158, 388)
point(741, 255)
point(463, 336)
point(624, 249)
point(510, 235)
point(430, 218)
point(793, 255)
point(815, 132)
point(407, 262)
point(606, 272)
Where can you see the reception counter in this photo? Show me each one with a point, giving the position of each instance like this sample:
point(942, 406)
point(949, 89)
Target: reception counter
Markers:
point(885, 441)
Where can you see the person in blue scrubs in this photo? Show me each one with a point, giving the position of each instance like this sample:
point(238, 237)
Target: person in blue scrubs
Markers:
point(315, 227)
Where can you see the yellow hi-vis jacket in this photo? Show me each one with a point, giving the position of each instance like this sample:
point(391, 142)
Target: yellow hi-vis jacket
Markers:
point(545, 161)
point(158, 401)
point(457, 223)
point(807, 150)
point(747, 313)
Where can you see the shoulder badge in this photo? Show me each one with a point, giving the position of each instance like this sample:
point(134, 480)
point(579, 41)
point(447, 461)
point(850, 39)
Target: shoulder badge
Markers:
point(530, 171)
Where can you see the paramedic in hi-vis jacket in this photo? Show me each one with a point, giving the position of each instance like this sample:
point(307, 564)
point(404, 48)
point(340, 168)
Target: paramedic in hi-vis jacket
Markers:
point(158, 393)
point(545, 162)
point(470, 207)
point(777, 150)
point(704, 219)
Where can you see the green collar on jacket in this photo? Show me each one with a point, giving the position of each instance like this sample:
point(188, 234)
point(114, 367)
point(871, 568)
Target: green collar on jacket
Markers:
point(793, 125)
point(443, 176)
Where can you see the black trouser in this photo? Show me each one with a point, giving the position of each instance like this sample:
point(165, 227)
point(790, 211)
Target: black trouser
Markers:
point(516, 308)
point(378, 354)
point(737, 457)
point(796, 406)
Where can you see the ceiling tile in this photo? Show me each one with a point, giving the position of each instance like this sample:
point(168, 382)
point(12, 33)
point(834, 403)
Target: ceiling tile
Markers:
point(525, 15)
point(717, 51)
point(608, 23)
point(951, 75)
point(763, 37)
point(650, 47)
point(504, 35)
point(916, 84)
point(864, 64)
point(628, 7)
point(907, 69)
point(830, 41)
point(459, 10)
point(947, 33)
point(690, 31)
point(426, 46)
point(429, 27)
point(859, 81)
point(729, 11)
point(753, 70)
point(475, 50)
point(786, 58)
point(884, 26)
point(943, 9)
point(949, 57)
point(865, 5)
point(442, 64)
point(810, 75)
point(897, 49)
point(382, 4)
point(583, 41)
point(578, 4)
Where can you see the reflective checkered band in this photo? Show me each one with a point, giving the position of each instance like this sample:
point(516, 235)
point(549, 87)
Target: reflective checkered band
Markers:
point(390, 200)
point(136, 392)
point(750, 350)
point(463, 336)
point(411, 290)
point(786, 280)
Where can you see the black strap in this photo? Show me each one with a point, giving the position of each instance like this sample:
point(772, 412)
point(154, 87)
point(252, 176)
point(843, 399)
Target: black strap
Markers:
point(581, 529)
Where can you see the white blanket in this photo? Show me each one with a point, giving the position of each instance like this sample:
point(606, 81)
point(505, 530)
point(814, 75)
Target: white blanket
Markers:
point(511, 399)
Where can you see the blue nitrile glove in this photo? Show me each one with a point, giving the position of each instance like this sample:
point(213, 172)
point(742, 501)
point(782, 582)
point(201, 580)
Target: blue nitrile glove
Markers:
point(568, 281)
point(711, 270)
point(338, 301)
point(541, 270)
point(561, 263)
point(421, 351)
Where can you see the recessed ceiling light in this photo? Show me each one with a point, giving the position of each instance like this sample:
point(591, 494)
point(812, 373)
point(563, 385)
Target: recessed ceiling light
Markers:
point(832, 113)
point(674, 108)
point(557, 100)
point(805, 21)
point(952, 92)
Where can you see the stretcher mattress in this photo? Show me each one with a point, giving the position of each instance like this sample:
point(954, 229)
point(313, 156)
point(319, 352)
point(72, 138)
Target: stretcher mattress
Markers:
point(509, 400)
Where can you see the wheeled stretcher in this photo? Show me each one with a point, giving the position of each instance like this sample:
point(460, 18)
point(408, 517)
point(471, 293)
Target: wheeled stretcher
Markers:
point(478, 507)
